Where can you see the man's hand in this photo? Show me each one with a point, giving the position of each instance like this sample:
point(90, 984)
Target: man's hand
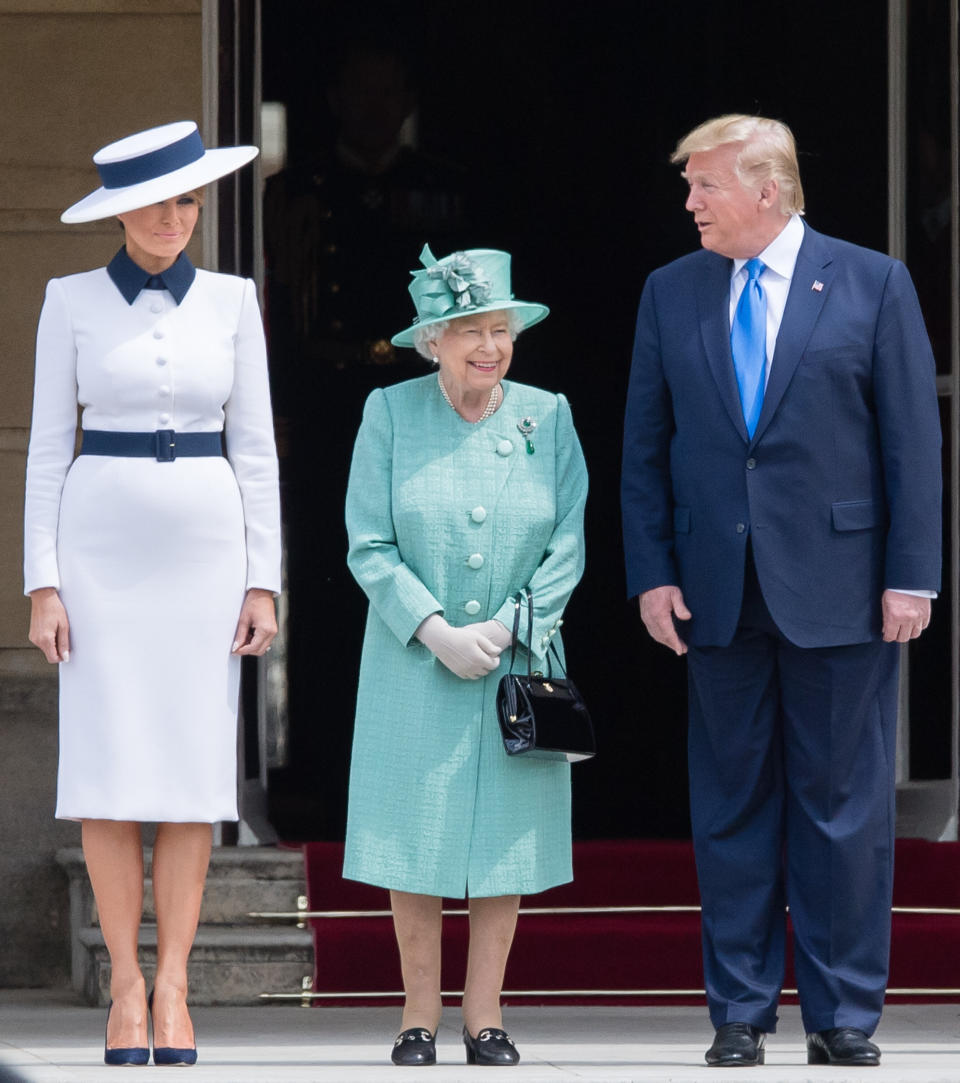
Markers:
point(904, 616)
point(658, 608)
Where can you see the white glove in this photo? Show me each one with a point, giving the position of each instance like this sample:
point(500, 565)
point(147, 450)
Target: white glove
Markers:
point(466, 651)
point(498, 634)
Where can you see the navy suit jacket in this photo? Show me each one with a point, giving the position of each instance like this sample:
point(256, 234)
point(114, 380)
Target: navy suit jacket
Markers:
point(839, 490)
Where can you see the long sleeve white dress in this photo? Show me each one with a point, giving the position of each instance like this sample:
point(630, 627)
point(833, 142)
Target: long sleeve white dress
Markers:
point(151, 559)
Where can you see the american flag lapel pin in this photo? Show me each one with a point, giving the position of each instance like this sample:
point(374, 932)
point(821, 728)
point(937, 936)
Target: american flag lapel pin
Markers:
point(817, 285)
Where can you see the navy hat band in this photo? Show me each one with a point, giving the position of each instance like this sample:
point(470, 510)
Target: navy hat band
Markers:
point(156, 163)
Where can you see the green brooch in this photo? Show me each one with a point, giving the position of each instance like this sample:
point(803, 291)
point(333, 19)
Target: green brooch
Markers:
point(526, 425)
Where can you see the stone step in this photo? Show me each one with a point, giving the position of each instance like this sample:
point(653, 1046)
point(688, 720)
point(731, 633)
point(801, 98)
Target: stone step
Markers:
point(240, 881)
point(227, 965)
point(236, 956)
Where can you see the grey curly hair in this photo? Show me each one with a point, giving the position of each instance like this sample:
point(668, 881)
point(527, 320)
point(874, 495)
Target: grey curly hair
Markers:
point(423, 336)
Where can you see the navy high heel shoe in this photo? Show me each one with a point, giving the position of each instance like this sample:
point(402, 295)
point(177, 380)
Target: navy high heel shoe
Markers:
point(136, 1054)
point(168, 1055)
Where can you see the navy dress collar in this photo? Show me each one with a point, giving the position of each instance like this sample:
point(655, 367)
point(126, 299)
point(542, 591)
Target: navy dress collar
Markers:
point(130, 278)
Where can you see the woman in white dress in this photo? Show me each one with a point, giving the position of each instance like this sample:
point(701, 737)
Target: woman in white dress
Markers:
point(153, 557)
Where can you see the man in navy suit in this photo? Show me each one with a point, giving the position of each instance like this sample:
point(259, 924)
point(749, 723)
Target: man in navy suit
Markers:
point(781, 506)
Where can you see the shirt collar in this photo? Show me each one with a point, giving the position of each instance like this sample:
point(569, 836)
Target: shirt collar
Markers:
point(130, 278)
point(781, 253)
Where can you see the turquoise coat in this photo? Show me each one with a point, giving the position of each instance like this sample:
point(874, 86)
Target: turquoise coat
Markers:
point(444, 516)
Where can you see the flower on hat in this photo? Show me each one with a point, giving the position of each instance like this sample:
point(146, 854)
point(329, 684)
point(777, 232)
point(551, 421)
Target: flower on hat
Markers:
point(465, 280)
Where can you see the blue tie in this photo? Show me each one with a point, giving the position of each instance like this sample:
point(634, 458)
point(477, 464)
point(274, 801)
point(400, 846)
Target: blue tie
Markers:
point(748, 343)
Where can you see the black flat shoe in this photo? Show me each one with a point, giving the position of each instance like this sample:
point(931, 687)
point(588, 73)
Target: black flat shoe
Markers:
point(737, 1045)
point(413, 1047)
point(136, 1054)
point(842, 1045)
point(491, 1046)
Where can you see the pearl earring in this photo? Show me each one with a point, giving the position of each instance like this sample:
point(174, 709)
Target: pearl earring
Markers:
point(435, 359)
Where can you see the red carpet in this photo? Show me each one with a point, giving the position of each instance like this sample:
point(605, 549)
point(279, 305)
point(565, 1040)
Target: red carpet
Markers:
point(653, 955)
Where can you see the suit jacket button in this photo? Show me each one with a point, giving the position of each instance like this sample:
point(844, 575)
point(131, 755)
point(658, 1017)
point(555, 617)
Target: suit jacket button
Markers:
point(751, 464)
point(741, 527)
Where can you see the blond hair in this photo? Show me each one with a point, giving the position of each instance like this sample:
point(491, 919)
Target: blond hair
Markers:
point(768, 152)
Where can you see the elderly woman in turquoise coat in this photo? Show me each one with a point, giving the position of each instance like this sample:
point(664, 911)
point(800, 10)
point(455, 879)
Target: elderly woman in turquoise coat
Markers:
point(465, 489)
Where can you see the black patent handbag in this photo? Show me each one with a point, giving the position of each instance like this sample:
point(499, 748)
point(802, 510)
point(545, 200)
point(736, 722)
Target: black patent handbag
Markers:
point(542, 717)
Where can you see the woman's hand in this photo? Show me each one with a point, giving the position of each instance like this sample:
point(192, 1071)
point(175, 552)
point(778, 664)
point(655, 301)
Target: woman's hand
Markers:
point(49, 627)
point(498, 633)
point(257, 625)
point(466, 651)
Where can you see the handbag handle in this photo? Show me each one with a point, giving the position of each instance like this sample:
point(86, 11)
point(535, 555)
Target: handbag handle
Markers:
point(516, 631)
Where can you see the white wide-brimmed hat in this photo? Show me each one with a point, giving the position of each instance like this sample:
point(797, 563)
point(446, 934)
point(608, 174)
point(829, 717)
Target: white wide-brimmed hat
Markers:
point(152, 166)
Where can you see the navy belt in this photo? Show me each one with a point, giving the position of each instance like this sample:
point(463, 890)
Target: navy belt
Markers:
point(164, 445)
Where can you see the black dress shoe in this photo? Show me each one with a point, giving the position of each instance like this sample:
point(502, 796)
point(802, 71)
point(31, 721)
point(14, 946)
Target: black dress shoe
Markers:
point(842, 1045)
point(491, 1046)
point(737, 1045)
point(415, 1046)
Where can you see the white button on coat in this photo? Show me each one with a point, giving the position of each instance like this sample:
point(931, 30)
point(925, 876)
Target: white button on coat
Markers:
point(472, 608)
point(475, 560)
point(479, 514)
point(505, 447)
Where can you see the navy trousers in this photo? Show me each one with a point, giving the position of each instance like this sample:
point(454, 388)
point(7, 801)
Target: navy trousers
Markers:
point(792, 757)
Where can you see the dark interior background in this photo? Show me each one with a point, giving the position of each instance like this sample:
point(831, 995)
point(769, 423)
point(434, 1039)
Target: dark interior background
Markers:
point(562, 119)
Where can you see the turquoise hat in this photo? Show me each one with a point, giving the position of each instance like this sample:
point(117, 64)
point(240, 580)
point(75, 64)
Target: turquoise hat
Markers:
point(464, 284)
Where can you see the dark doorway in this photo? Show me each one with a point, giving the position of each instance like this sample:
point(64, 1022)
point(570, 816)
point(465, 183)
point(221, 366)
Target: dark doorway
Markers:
point(552, 127)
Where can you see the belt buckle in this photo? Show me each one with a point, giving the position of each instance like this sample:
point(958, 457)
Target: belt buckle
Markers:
point(166, 443)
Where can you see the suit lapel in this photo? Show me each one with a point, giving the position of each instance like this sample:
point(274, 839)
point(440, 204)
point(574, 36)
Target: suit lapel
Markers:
point(808, 292)
point(713, 304)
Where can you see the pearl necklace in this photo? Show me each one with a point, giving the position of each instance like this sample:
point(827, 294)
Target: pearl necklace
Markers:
point(492, 403)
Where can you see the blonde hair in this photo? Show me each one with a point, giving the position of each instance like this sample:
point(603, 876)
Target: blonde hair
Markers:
point(768, 152)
